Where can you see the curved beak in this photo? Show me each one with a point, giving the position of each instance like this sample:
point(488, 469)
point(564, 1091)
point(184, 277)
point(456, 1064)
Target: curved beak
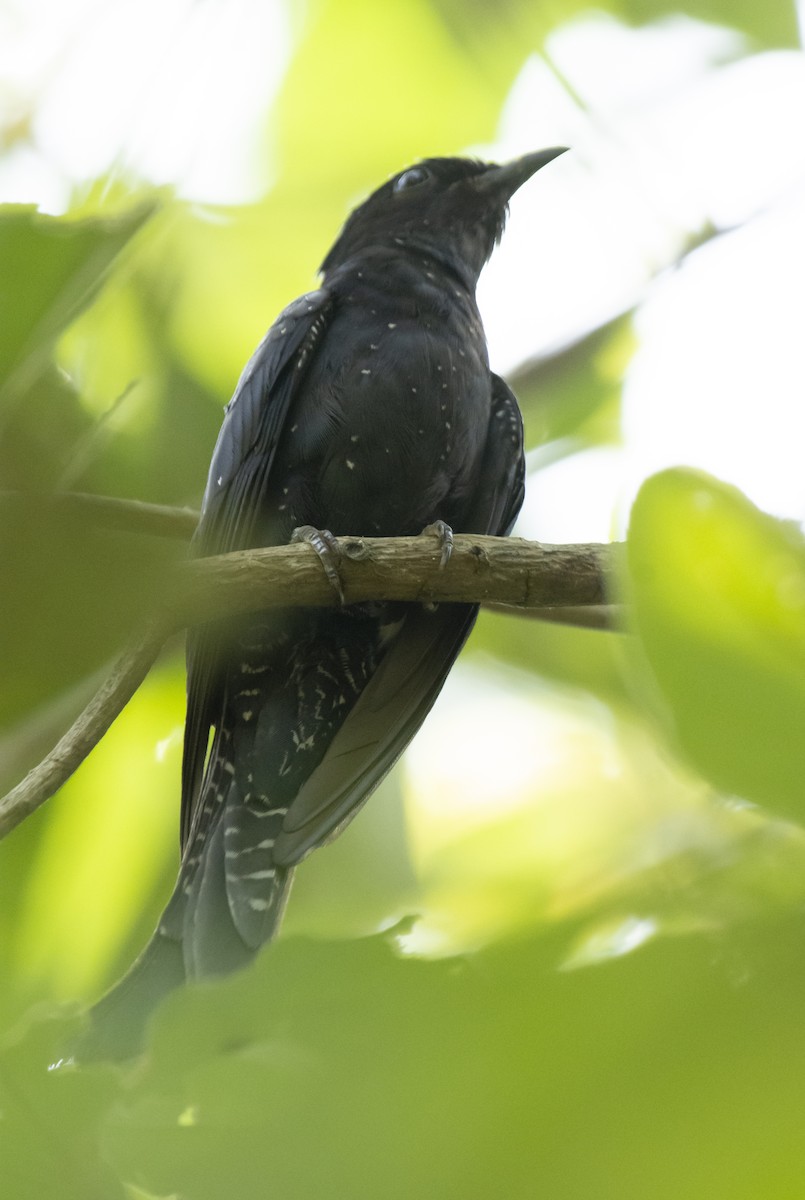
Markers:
point(506, 179)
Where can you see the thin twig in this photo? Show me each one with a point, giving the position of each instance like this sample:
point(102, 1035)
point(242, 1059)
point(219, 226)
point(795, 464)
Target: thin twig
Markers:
point(109, 512)
point(126, 675)
point(582, 616)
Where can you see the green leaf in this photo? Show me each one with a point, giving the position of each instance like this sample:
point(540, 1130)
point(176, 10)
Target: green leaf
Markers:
point(341, 1070)
point(773, 24)
point(589, 659)
point(393, 77)
point(50, 1115)
point(71, 596)
point(346, 1070)
point(499, 30)
point(573, 394)
point(718, 590)
point(52, 268)
point(110, 833)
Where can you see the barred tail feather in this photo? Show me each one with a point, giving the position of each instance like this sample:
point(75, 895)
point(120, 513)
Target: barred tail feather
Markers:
point(220, 914)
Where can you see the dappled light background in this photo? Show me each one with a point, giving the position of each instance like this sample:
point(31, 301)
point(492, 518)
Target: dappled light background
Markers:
point(647, 306)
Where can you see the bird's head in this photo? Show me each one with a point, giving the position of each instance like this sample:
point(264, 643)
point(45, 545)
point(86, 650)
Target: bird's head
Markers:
point(451, 208)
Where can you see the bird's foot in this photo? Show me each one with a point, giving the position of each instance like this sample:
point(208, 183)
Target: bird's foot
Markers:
point(326, 546)
point(445, 535)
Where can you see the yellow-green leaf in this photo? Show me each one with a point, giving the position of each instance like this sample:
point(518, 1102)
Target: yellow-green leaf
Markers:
point(718, 589)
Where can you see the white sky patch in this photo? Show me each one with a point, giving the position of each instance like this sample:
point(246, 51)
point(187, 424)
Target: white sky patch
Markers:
point(669, 142)
point(174, 91)
point(718, 381)
point(489, 746)
point(574, 499)
point(594, 226)
point(492, 717)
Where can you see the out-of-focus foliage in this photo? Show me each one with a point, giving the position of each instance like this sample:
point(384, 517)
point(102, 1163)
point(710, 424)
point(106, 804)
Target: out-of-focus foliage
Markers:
point(570, 398)
point(512, 20)
point(718, 593)
point(580, 793)
point(673, 1070)
point(67, 262)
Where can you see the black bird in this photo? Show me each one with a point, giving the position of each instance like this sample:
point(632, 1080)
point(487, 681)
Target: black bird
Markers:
point(368, 408)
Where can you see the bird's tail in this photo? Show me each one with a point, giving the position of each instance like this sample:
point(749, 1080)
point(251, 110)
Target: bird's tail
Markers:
point(202, 942)
point(118, 1020)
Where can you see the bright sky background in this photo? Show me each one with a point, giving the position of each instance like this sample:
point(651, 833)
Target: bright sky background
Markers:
point(152, 61)
point(664, 138)
point(669, 144)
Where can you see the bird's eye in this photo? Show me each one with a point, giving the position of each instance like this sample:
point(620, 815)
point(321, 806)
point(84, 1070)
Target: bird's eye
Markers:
point(411, 178)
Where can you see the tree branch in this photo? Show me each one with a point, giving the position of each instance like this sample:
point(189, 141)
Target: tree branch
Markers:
point(126, 675)
point(522, 576)
point(485, 570)
point(109, 512)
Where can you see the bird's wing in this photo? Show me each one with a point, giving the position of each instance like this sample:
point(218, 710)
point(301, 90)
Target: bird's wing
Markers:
point(501, 480)
point(380, 725)
point(254, 420)
point(402, 690)
point(241, 462)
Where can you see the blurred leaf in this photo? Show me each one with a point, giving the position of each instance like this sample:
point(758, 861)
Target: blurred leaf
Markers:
point(38, 436)
point(497, 37)
point(773, 24)
point(582, 658)
point(370, 1076)
point(551, 804)
point(343, 1070)
point(361, 881)
point(232, 273)
point(100, 869)
point(574, 393)
point(419, 94)
point(498, 31)
point(51, 270)
point(718, 589)
point(154, 425)
point(72, 595)
point(49, 1118)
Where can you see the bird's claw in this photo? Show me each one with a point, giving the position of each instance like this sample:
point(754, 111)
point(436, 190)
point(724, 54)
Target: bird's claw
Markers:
point(445, 535)
point(329, 551)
